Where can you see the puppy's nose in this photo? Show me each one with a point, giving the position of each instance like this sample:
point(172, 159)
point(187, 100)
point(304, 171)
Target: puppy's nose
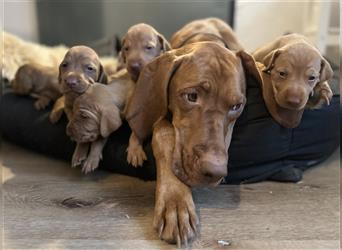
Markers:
point(294, 97)
point(72, 81)
point(214, 166)
point(136, 67)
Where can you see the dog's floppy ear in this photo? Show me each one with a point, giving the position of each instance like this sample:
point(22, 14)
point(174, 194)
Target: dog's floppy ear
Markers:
point(149, 102)
point(110, 121)
point(249, 65)
point(102, 76)
point(326, 72)
point(270, 58)
point(164, 44)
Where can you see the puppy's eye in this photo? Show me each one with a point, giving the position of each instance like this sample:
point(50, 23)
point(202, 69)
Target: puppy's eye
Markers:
point(282, 74)
point(126, 48)
point(90, 68)
point(192, 97)
point(236, 107)
point(312, 78)
point(64, 64)
point(149, 47)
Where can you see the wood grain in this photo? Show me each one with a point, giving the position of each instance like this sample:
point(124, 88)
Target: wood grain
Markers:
point(48, 205)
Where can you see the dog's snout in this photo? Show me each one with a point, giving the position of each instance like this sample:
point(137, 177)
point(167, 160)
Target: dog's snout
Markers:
point(294, 96)
point(72, 81)
point(214, 166)
point(136, 66)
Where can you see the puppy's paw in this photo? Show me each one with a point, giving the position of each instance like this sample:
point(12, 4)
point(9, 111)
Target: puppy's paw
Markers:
point(55, 116)
point(321, 95)
point(79, 156)
point(175, 218)
point(136, 155)
point(91, 163)
point(41, 104)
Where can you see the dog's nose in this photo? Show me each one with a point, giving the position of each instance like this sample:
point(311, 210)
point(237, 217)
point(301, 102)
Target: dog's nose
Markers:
point(294, 97)
point(135, 67)
point(214, 166)
point(72, 81)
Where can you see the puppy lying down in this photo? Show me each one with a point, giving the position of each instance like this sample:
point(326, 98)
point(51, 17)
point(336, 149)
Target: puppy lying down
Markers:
point(38, 81)
point(96, 114)
point(294, 77)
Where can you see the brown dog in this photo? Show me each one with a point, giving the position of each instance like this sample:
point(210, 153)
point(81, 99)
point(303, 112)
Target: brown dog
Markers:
point(208, 29)
point(202, 87)
point(140, 45)
point(38, 81)
point(294, 78)
point(79, 69)
point(96, 114)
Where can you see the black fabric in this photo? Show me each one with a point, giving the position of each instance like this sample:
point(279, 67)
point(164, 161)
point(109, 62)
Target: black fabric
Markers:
point(260, 149)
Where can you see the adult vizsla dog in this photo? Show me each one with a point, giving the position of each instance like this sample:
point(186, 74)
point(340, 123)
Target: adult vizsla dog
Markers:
point(295, 76)
point(140, 45)
point(189, 98)
point(96, 114)
point(207, 29)
point(38, 81)
point(79, 69)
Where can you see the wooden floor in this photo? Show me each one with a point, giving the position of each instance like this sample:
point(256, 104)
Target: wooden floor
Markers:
point(48, 205)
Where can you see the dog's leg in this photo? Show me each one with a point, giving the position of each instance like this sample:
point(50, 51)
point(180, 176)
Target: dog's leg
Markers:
point(57, 110)
point(175, 216)
point(80, 154)
point(95, 155)
point(322, 94)
point(135, 152)
point(42, 102)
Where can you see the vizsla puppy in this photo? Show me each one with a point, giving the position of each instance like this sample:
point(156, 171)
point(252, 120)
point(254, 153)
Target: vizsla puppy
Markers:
point(294, 76)
point(190, 99)
point(96, 114)
point(140, 45)
point(208, 29)
point(38, 81)
point(79, 69)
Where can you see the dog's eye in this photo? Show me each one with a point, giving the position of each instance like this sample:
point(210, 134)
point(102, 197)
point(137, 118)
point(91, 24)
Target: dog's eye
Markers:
point(282, 74)
point(192, 97)
point(149, 47)
point(126, 48)
point(236, 107)
point(90, 68)
point(64, 64)
point(312, 78)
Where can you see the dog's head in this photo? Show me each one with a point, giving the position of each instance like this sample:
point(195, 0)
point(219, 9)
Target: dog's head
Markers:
point(25, 79)
point(94, 115)
point(140, 45)
point(202, 87)
point(80, 68)
point(294, 70)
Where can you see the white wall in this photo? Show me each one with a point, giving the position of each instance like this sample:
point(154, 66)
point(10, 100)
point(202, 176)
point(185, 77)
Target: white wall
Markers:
point(20, 19)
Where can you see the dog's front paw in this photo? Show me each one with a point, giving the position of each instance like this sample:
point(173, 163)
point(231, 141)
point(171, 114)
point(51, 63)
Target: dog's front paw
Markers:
point(91, 163)
point(80, 155)
point(136, 155)
point(41, 103)
point(55, 116)
point(322, 94)
point(175, 217)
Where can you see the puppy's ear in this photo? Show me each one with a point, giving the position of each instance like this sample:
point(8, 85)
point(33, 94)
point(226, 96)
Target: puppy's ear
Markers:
point(149, 102)
point(164, 44)
point(102, 76)
point(249, 65)
point(326, 72)
point(110, 121)
point(270, 58)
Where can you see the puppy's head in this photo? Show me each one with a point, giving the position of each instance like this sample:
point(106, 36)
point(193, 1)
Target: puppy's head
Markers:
point(25, 77)
point(202, 86)
point(80, 68)
point(140, 45)
point(94, 115)
point(294, 71)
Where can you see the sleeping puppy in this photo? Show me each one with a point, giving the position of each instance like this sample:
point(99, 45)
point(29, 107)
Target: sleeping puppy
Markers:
point(96, 114)
point(295, 76)
point(38, 81)
point(140, 45)
point(206, 30)
point(79, 69)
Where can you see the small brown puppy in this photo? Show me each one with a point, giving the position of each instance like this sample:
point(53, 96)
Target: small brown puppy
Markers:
point(294, 78)
point(79, 69)
point(38, 81)
point(140, 45)
point(208, 29)
point(96, 114)
point(189, 98)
